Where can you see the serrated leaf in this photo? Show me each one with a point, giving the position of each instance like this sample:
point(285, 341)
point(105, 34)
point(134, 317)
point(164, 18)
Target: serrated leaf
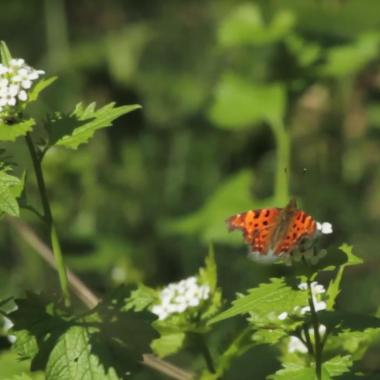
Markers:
point(272, 298)
point(208, 274)
point(333, 288)
point(83, 122)
point(338, 365)
point(5, 54)
point(141, 298)
point(168, 344)
point(240, 104)
point(41, 85)
point(10, 132)
point(78, 355)
point(10, 189)
point(295, 372)
point(268, 336)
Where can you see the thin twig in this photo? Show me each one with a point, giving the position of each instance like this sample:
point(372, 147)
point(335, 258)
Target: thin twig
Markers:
point(167, 368)
point(88, 297)
point(77, 286)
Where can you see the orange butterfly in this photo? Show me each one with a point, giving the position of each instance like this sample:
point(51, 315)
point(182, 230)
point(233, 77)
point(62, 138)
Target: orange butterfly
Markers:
point(274, 232)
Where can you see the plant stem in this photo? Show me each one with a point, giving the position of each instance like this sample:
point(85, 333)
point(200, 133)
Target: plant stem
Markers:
point(48, 217)
point(317, 337)
point(206, 353)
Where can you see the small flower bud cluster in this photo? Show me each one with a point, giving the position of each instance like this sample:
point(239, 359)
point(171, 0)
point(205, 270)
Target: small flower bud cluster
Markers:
point(178, 297)
point(15, 82)
point(319, 304)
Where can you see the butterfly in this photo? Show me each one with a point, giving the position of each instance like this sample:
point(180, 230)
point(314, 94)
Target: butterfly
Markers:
point(275, 232)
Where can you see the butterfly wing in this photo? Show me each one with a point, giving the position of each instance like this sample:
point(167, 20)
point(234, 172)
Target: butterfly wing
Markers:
point(257, 227)
point(301, 230)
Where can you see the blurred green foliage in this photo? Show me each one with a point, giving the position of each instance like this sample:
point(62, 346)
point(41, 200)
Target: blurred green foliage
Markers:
point(239, 98)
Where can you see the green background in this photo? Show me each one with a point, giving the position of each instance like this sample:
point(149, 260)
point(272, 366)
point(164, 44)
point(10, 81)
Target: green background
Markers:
point(244, 105)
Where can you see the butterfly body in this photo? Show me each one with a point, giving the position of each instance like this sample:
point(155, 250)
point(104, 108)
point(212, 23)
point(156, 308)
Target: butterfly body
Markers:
point(273, 232)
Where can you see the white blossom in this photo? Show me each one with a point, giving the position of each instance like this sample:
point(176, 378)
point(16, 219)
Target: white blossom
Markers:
point(16, 79)
point(324, 228)
point(178, 297)
point(295, 344)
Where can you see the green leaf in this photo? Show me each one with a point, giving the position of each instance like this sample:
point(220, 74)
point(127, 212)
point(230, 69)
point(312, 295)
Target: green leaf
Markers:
point(295, 372)
point(269, 299)
point(348, 59)
point(78, 127)
point(268, 336)
point(168, 344)
point(141, 298)
point(9, 132)
point(333, 288)
point(41, 85)
point(208, 274)
point(245, 25)
point(5, 54)
point(10, 189)
point(78, 354)
point(241, 104)
point(11, 368)
point(338, 365)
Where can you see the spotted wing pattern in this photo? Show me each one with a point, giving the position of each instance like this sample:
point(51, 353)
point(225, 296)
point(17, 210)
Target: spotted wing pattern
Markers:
point(257, 227)
point(301, 230)
point(279, 229)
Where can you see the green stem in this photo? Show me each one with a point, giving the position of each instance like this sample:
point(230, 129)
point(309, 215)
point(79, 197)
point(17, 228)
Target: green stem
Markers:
point(48, 217)
point(206, 353)
point(283, 161)
point(317, 337)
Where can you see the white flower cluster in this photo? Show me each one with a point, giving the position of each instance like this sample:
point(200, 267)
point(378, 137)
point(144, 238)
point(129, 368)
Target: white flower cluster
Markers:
point(324, 228)
point(15, 81)
point(295, 344)
point(178, 297)
point(316, 290)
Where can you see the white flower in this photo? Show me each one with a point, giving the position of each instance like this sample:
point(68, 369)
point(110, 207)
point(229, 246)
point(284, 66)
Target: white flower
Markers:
point(325, 228)
point(296, 345)
point(16, 79)
point(178, 297)
point(283, 316)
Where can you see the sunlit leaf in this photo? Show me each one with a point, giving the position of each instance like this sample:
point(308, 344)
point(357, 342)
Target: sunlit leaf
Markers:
point(141, 298)
point(168, 344)
point(338, 365)
point(269, 299)
point(41, 85)
point(77, 128)
point(5, 54)
point(295, 372)
point(10, 189)
point(78, 354)
point(9, 132)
